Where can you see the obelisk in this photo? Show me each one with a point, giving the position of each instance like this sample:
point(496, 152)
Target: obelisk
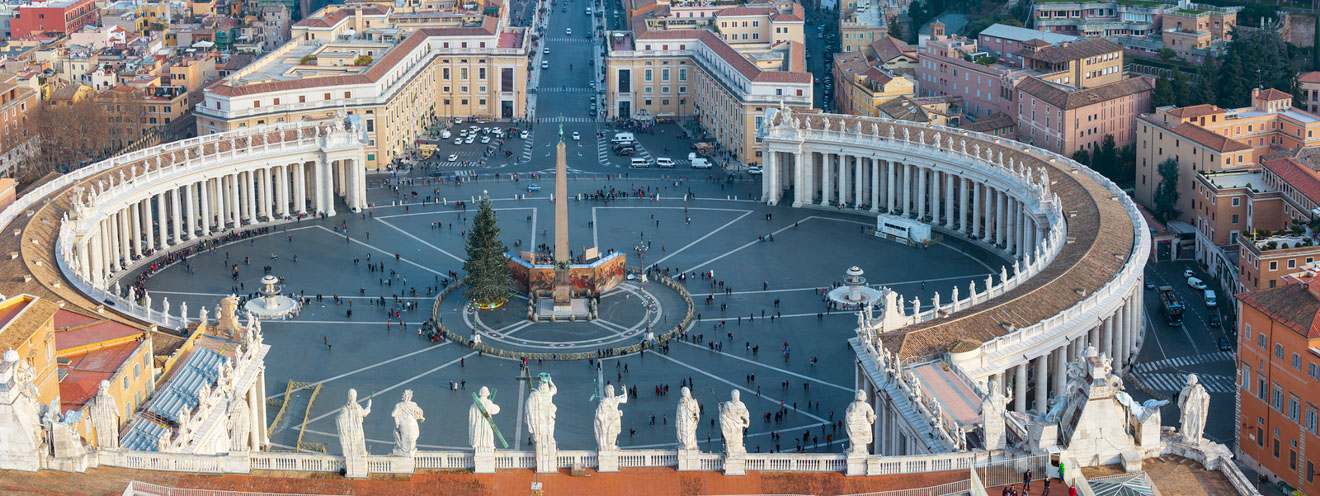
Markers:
point(563, 287)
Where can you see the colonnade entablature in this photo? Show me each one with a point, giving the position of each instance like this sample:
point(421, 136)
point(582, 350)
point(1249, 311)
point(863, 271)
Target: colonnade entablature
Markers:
point(132, 209)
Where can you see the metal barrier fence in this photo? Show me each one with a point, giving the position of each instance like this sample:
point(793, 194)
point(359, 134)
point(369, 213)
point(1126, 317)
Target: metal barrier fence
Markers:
point(1009, 472)
point(582, 355)
point(951, 488)
point(136, 488)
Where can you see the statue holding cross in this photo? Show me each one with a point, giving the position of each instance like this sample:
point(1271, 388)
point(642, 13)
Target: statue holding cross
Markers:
point(482, 430)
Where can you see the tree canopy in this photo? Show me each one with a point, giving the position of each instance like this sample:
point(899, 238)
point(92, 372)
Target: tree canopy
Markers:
point(487, 270)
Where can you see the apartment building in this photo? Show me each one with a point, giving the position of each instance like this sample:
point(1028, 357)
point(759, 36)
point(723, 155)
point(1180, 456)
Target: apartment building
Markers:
point(1192, 29)
point(954, 65)
point(938, 110)
point(724, 69)
point(472, 68)
point(17, 102)
point(1004, 41)
point(1064, 119)
point(1206, 138)
point(895, 55)
point(1101, 18)
point(863, 85)
point(57, 16)
point(861, 25)
point(1308, 84)
point(1277, 377)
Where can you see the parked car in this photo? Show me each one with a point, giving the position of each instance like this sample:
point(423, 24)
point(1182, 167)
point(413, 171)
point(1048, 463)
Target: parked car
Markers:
point(545, 64)
point(1188, 273)
point(1225, 344)
point(471, 138)
point(754, 170)
point(458, 141)
point(624, 150)
point(568, 31)
point(1150, 284)
point(546, 50)
point(1195, 283)
point(485, 139)
point(576, 136)
point(533, 187)
point(1214, 320)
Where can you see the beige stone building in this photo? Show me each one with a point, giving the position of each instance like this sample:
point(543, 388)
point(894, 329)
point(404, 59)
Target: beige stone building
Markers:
point(1206, 138)
point(463, 65)
point(864, 85)
point(724, 69)
point(861, 25)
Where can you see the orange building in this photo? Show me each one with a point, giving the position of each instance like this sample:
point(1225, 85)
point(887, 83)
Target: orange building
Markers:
point(1278, 371)
point(27, 326)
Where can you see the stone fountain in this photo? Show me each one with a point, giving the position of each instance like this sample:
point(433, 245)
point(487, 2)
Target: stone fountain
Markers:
point(854, 293)
point(271, 304)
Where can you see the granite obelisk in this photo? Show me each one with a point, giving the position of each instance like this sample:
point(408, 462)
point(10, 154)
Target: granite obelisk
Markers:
point(563, 287)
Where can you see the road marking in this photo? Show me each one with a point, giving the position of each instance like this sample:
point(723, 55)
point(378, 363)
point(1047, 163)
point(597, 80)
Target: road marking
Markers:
point(372, 366)
point(404, 259)
point(787, 404)
point(771, 367)
point(396, 385)
point(422, 241)
point(1186, 360)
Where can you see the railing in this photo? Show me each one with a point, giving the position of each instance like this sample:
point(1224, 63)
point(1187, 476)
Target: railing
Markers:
point(800, 462)
point(296, 462)
point(567, 459)
point(172, 462)
point(425, 460)
point(138, 488)
point(647, 458)
point(950, 488)
point(940, 462)
point(515, 459)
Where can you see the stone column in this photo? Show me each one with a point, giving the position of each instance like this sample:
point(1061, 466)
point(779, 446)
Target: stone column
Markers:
point(826, 183)
point(875, 183)
point(96, 260)
point(163, 236)
point(1093, 337)
point(235, 210)
point(254, 435)
point(125, 238)
point(809, 178)
point(281, 184)
point(1121, 341)
point(948, 201)
point(1042, 382)
point(1020, 388)
point(1061, 358)
point(1001, 218)
point(841, 161)
point(300, 188)
point(977, 200)
point(1107, 340)
point(318, 185)
point(906, 187)
point(859, 181)
point(921, 191)
point(1138, 321)
point(935, 188)
point(260, 420)
point(328, 191)
point(892, 197)
point(1012, 227)
point(204, 188)
point(135, 229)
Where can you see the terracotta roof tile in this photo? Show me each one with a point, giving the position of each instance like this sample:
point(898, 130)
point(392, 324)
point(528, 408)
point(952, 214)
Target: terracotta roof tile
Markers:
point(1300, 177)
point(1068, 100)
point(1195, 111)
point(889, 48)
point(728, 53)
point(1292, 305)
point(1309, 77)
point(339, 15)
point(1208, 138)
point(1270, 94)
point(1090, 47)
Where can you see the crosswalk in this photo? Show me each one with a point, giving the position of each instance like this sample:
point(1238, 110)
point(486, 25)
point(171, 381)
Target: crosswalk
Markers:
point(527, 146)
point(565, 90)
point(1174, 381)
point(1183, 361)
point(556, 119)
point(568, 39)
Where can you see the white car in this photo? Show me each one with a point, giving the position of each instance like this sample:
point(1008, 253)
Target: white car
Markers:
point(485, 139)
point(471, 138)
point(665, 162)
point(523, 134)
point(546, 50)
point(453, 157)
point(1188, 273)
point(754, 169)
point(446, 134)
point(458, 141)
point(458, 120)
point(576, 137)
point(1195, 283)
point(568, 31)
point(545, 64)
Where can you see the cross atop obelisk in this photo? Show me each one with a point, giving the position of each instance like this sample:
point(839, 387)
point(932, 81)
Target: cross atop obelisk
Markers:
point(561, 199)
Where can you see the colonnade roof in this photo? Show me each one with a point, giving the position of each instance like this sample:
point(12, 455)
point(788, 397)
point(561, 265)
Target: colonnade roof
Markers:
point(1100, 239)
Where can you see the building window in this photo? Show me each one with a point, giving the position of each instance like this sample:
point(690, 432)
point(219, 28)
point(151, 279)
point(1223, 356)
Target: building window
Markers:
point(1276, 398)
point(1278, 351)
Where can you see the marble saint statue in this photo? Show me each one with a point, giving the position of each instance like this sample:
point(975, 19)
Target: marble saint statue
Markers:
point(685, 421)
point(480, 434)
point(406, 417)
point(105, 417)
point(541, 412)
point(859, 419)
point(734, 417)
point(240, 425)
point(349, 422)
point(1193, 404)
point(609, 420)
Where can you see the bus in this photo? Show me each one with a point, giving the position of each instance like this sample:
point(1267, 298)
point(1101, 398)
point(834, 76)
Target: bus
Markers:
point(1170, 306)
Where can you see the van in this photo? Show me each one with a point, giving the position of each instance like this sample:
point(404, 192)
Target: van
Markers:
point(446, 134)
point(621, 138)
point(665, 162)
point(1210, 298)
point(698, 162)
point(638, 163)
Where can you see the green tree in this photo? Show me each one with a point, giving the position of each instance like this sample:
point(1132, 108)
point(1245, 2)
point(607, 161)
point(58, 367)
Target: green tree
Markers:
point(1315, 45)
point(1166, 195)
point(1082, 156)
point(1163, 92)
point(1182, 95)
point(1127, 163)
point(487, 271)
point(1232, 82)
point(1106, 161)
point(1205, 89)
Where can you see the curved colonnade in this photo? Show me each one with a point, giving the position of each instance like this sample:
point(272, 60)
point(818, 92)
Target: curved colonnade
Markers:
point(1073, 243)
point(127, 211)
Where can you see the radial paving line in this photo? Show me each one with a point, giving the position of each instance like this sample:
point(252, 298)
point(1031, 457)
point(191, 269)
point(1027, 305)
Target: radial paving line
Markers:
point(372, 366)
point(400, 383)
point(771, 367)
point(404, 259)
point(422, 241)
point(744, 388)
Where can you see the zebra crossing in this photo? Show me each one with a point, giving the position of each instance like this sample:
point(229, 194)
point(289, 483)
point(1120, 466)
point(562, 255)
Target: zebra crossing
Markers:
point(1183, 361)
point(527, 147)
point(565, 90)
point(556, 119)
point(1175, 381)
point(568, 39)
